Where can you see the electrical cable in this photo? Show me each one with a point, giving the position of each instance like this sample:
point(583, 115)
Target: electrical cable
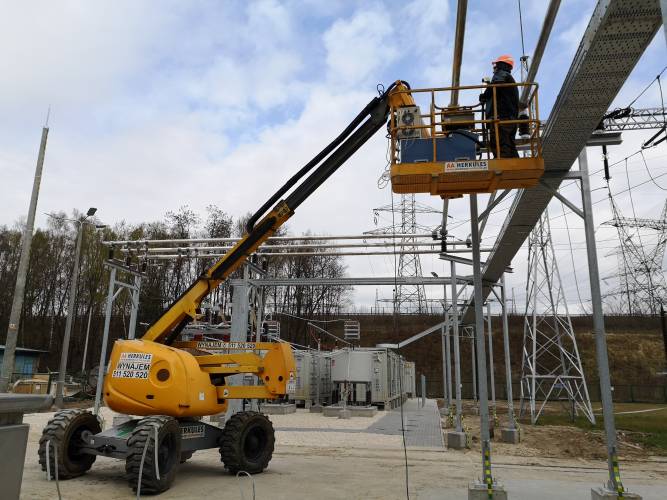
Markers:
point(647, 87)
point(523, 47)
point(141, 467)
point(55, 465)
point(662, 101)
point(238, 479)
point(398, 351)
point(143, 459)
point(311, 320)
point(574, 269)
point(648, 172)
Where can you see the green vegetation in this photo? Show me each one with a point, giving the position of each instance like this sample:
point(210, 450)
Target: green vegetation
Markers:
point(648, 428)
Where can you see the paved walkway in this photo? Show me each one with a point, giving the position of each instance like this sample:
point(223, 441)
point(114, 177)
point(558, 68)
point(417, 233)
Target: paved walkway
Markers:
point(422, 425)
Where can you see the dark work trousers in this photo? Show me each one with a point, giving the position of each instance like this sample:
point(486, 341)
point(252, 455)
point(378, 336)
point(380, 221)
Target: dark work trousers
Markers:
point(507, 144)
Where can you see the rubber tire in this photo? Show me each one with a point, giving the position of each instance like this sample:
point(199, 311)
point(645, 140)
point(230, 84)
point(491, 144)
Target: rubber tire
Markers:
point(168, 429)
point(234, 446)
point(186, 455)
point(63, 430)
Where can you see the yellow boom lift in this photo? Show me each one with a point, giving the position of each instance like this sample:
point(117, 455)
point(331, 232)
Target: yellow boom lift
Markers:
point(172, 384)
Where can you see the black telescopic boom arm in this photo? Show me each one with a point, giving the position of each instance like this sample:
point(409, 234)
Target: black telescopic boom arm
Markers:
point(373, 117)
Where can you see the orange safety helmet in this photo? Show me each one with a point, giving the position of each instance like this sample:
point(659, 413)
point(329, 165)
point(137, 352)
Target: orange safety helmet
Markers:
point(506, 58)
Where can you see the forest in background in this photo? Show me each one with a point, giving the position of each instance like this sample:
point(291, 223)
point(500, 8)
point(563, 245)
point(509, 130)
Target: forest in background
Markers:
point(47, 291)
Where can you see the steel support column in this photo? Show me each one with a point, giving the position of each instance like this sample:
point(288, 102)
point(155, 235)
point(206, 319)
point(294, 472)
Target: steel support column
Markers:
point(598, 329)
point(508, 366)
point(479, 346)
point(105, 341)
point(135, 308)
point(457, 348)
point(491, 370)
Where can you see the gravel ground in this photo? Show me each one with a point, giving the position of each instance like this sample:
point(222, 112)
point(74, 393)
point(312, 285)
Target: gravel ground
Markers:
point(352, 465)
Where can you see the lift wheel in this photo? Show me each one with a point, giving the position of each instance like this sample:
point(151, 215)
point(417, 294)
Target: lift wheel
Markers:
point(169, 453)
point(247, 442)
point(65, 435)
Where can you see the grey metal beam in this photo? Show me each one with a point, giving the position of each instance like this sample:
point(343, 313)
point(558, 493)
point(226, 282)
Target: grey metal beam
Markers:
point(563, 199)
point(616, 37)
point(493, 202)
point(375, 280)
point(459, 36)
point(549, 19)
point(415, 337)
point(604, 139)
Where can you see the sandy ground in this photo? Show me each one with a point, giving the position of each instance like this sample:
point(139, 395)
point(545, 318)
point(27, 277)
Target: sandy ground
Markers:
point(329, 465)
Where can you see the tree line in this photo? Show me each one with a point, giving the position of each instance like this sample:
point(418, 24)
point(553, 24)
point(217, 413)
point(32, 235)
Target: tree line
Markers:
point(47, 292)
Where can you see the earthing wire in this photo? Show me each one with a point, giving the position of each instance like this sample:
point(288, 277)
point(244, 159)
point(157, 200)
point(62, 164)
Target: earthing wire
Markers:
point(648, 172)
point(632, 204)
point(662, 101)
point(523, 47)
point(647, 87)
point(312, 320)
point(574, 269)
point(398, 351)
point(238, 479)
point(143, 459)
point(55, 465)
point(141, 468)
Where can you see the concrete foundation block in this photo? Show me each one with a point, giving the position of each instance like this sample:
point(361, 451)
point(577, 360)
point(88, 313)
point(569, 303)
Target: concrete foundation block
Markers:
point(344, 413)
point(362, 411)
point(331, 411)
point(478, 491)
point(277, 409)
point(607, 494)
point(316, 409)
point(444, 411)
point(511, 436)
point(455, 440)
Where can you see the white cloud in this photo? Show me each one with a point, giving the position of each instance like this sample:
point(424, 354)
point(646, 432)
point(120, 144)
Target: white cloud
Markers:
point(360, 46)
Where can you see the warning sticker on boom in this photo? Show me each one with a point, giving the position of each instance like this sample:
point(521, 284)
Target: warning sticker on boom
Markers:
point(223, 346)
point(133, 365)
point(458, 166)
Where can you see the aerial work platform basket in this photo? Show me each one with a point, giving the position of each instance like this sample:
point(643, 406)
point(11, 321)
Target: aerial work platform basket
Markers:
point(451, 151)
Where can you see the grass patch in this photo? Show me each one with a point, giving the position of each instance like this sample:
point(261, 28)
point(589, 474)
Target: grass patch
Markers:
point(648, 428)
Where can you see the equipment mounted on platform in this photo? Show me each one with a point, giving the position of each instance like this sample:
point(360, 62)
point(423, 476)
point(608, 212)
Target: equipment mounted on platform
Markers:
point(450, 151)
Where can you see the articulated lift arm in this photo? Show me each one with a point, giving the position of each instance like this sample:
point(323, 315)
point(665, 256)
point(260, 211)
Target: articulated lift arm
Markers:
point(172, 321)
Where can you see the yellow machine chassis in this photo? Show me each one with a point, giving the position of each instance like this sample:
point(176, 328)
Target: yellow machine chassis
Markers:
point(435, 178)
point(148, 378)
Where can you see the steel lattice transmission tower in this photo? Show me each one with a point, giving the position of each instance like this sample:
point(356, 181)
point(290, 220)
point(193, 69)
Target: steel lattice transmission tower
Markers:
point(551, 367)
point(407, 298)
point(642, 288)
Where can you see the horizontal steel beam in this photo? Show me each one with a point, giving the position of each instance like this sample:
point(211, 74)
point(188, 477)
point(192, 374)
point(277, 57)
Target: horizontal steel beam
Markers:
point(189, 241)
point(375, 280)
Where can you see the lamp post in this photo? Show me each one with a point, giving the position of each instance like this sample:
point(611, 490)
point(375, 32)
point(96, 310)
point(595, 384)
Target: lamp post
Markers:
point(72, 299)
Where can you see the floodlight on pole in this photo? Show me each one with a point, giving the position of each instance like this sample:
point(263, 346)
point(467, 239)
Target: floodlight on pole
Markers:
point(60, 386)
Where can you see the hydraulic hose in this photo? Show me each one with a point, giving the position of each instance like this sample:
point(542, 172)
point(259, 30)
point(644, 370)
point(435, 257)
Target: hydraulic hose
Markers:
point(318, 158)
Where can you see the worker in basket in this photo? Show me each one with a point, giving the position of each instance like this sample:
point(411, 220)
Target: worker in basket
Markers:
point(507, 104)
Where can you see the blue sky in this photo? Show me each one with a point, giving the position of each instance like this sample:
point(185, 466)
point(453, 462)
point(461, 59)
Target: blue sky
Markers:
point(155, 105)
